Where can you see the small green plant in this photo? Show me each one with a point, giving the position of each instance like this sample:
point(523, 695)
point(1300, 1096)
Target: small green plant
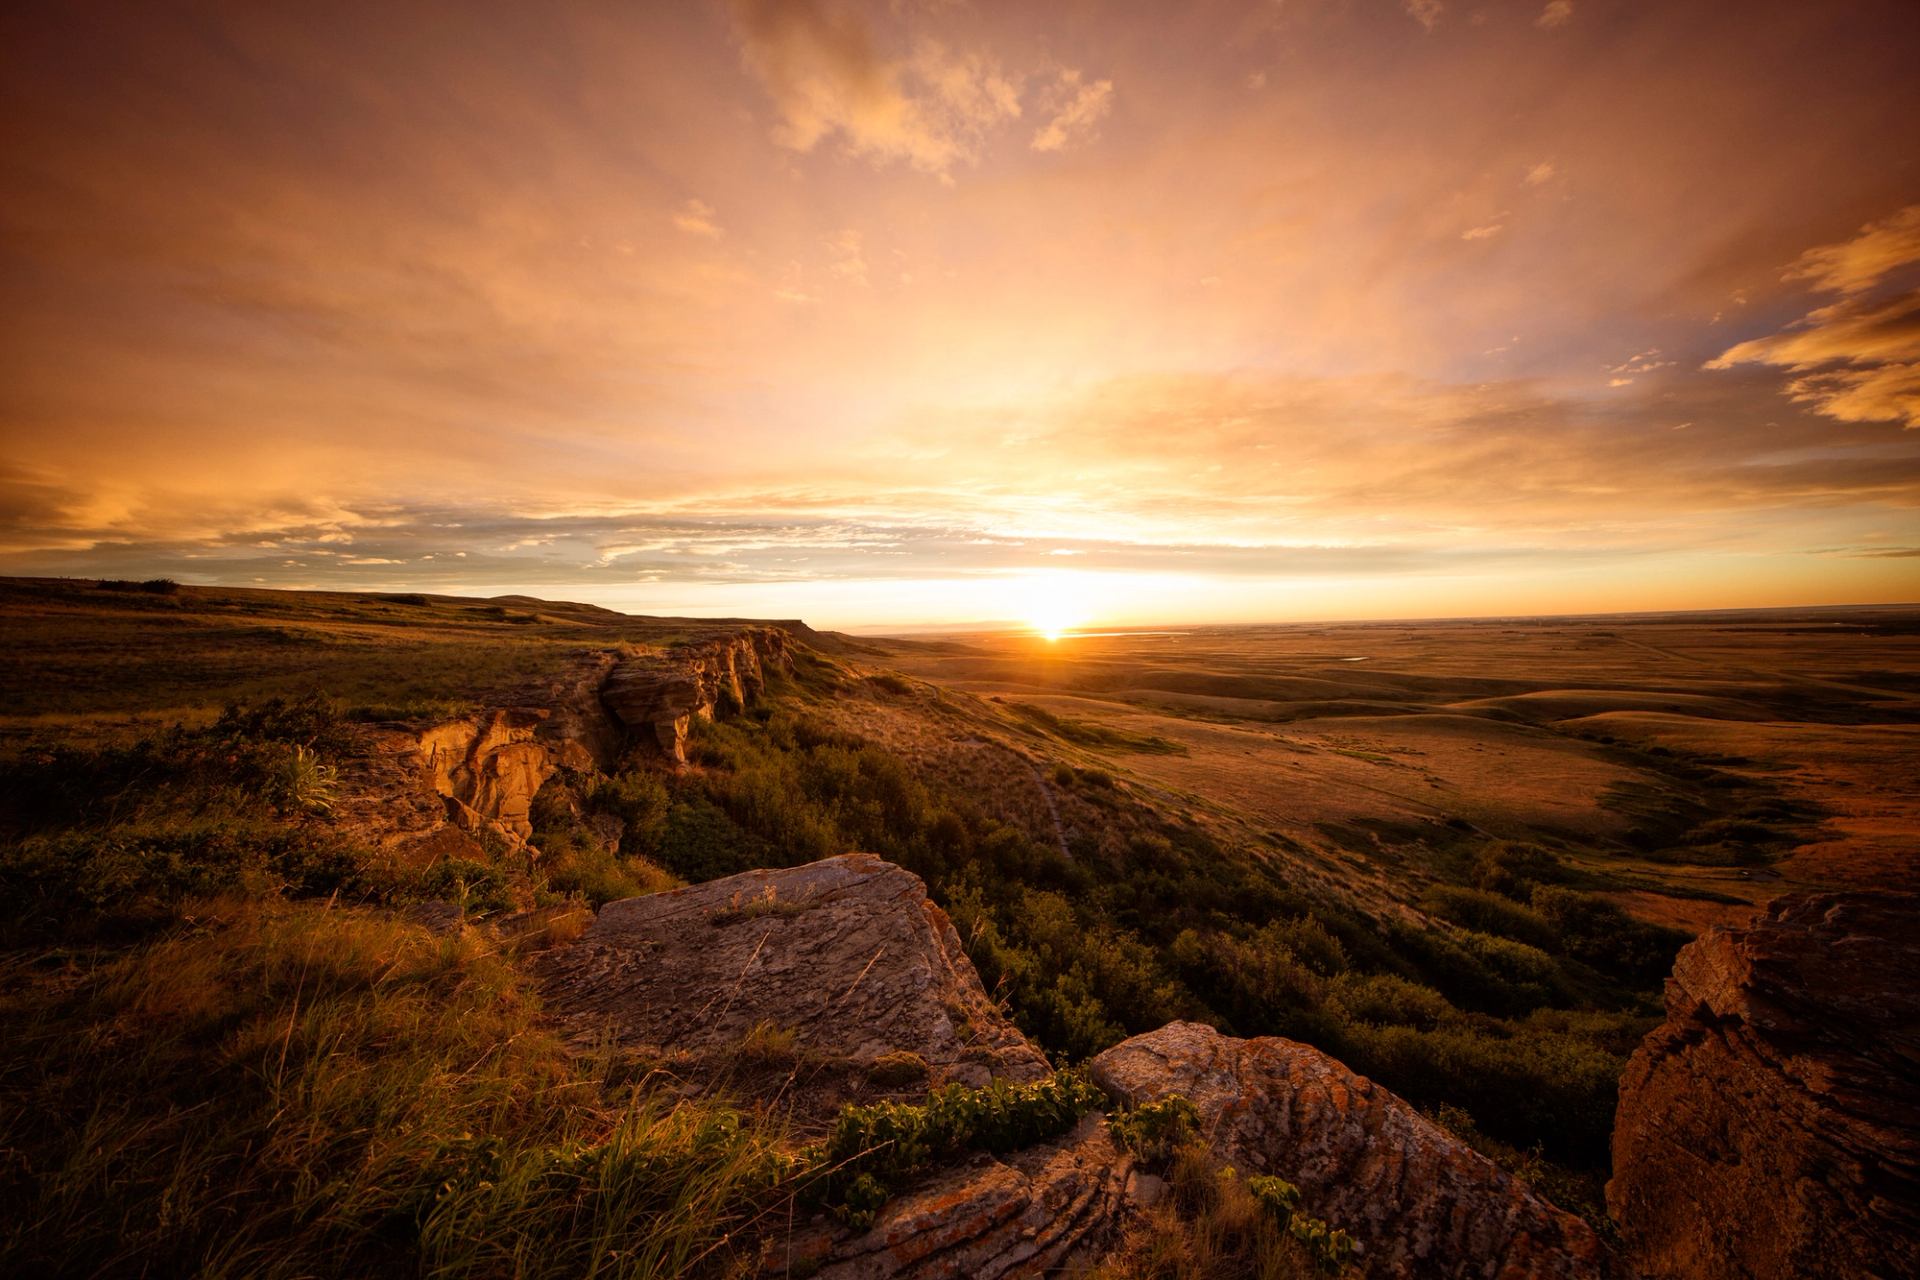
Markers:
point(1155, 1130)
point(471, 886)
point(304, 783)
point(1329, 1247)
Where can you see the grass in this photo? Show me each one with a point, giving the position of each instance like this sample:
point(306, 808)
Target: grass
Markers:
point(1215, 1225)
point(284, 1089)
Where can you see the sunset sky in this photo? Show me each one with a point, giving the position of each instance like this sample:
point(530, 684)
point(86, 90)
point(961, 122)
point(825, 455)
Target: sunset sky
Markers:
point(937, 311)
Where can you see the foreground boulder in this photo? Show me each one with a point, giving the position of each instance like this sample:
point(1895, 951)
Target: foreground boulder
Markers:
point(1771, 1127)
point(863, 985)
point(1418, 1202)
point(846, 957)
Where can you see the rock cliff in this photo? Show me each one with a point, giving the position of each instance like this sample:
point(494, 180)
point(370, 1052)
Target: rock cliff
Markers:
point(658, 694)
point(1418, 1201)
point(1771, 1126)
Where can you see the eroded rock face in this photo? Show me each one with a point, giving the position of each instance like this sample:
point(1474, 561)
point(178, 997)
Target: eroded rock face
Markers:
point(489, 769)
point(659, 694)
point(1771, 1126)
point(848, 954)
point(1418, 1201)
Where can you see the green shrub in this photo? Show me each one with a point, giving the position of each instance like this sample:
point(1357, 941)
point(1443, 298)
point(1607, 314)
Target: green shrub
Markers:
point(1488, 912)
point(1512, 868)
point(1384, 999)
point(471, 886)
point(872, 1149)
point(639, 799)
point(1597, 932)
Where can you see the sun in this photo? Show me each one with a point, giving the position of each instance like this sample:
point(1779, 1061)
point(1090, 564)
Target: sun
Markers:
point(1056, 602)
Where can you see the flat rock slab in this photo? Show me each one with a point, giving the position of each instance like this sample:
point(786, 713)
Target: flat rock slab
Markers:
point(1771, 1126)
point(1417, 1200)
point(847, 954)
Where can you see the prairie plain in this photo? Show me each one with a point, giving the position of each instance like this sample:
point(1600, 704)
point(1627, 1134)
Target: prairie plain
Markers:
point(1695, 765)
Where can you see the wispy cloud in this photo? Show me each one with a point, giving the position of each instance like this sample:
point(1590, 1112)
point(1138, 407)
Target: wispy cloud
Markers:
point(696, 218)
point(1558, 13)
point(820, 64)
point(1078, 106)
point(1858, 359)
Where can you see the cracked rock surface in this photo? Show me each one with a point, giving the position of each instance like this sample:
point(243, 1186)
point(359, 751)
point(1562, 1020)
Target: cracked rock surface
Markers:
point(848, 954)
point(1416, 1200)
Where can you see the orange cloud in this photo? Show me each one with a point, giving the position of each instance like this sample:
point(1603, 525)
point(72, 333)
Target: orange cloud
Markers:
point(1859, 359)
point(819, 63)
point(1078, 107)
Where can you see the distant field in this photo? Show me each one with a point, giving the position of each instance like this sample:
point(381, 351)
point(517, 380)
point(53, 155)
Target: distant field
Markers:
point(93, 661)
point(1696, 764)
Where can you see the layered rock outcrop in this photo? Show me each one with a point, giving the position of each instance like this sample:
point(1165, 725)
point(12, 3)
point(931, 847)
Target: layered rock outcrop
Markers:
point(658, 694)
point(1417, 1201)
point(855, 972)
point(847, 954)
point(437, 794)
point(489, 767)
point(1771, 1126)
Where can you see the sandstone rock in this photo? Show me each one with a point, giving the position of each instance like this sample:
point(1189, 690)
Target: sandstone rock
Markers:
point(1418, 1202)
point(660, 693)
point(1771, 1126)
point(1028, 1213)
point(489, 768)
point(847, 953)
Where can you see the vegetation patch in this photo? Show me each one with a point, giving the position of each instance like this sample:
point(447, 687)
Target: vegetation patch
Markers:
point(872, 1150)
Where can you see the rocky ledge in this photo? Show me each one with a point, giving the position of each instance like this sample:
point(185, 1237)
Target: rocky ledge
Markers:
point(1417, 1201)
point(658, 694)
point(1771, 1126)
